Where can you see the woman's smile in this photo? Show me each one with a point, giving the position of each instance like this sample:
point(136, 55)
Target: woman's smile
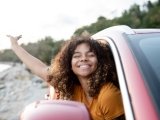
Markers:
point(84, 66)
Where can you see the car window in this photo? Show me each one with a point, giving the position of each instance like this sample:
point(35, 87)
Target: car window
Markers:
point(151, 49)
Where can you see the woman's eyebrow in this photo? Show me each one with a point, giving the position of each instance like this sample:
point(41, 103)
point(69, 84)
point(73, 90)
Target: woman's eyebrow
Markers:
point(76, 52)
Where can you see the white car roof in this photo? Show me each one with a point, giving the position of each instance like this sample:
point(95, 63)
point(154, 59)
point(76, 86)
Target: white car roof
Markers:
point(125, 29)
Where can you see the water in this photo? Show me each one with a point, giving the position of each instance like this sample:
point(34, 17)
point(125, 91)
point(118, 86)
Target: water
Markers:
point(3, 67)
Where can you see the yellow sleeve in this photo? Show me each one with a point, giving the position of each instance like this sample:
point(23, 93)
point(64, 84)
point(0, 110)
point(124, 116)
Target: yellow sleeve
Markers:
point(110, 102)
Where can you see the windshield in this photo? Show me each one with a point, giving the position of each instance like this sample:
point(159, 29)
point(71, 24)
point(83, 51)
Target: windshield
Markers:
point(146, 49)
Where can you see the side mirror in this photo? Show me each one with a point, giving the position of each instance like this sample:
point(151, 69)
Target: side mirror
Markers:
point(55, 110)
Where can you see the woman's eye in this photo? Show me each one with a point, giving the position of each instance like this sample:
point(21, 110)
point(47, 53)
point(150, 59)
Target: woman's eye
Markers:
point(91, 54)
point(76, 56)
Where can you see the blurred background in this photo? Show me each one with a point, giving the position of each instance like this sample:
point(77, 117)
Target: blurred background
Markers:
point(44, 26)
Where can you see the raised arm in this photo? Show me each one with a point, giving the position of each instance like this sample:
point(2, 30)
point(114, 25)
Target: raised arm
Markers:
point(34, 64)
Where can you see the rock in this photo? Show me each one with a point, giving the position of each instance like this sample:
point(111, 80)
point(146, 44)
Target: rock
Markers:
point(37, 80)
point(18, 88)
point(2, 86)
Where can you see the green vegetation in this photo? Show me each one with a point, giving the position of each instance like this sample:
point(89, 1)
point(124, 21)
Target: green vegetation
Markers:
point(45, 49)
point(148, 17)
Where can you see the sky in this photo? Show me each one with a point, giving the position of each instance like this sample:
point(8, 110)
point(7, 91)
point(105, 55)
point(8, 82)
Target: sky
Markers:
point(36, 19)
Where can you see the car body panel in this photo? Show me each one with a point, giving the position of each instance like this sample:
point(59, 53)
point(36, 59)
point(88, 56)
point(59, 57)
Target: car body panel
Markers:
point(141, 102)
point(55, 110)
point(136, 85)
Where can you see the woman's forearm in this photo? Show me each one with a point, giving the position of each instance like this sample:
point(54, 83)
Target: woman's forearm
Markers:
point(34, 64)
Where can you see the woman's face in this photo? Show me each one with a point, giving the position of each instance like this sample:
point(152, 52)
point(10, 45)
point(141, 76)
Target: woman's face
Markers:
point(84, 62)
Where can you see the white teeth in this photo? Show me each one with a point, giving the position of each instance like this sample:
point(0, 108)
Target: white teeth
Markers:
point(84, 66)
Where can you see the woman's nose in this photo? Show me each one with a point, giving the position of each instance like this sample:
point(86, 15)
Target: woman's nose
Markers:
point(84, 58)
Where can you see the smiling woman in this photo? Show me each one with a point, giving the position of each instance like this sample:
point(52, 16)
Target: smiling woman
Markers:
point(80, 72)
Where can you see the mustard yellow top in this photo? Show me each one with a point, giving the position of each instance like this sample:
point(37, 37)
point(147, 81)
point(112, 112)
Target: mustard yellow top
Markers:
point(106, 106)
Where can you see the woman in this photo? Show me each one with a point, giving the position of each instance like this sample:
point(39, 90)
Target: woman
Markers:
point(82, 71)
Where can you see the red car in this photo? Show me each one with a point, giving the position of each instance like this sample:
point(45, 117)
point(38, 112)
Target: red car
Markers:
point(136, 54)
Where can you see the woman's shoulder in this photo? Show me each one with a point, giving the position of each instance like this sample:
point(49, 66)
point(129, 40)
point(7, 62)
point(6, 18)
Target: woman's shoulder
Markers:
point(109, 90)
point(109, 86)
point(110, 101)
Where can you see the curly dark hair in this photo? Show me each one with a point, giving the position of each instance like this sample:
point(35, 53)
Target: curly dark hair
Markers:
point(62, 78)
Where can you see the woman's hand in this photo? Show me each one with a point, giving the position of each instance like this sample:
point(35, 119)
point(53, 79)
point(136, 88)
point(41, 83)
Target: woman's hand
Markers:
point(14, 39)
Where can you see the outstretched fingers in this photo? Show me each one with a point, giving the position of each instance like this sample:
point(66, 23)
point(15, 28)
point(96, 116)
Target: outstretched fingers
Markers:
point(15, 38)
point(19, 36)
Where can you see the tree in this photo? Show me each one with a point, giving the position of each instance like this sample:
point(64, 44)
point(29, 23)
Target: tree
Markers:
point(152, 18)
point(132, 18)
